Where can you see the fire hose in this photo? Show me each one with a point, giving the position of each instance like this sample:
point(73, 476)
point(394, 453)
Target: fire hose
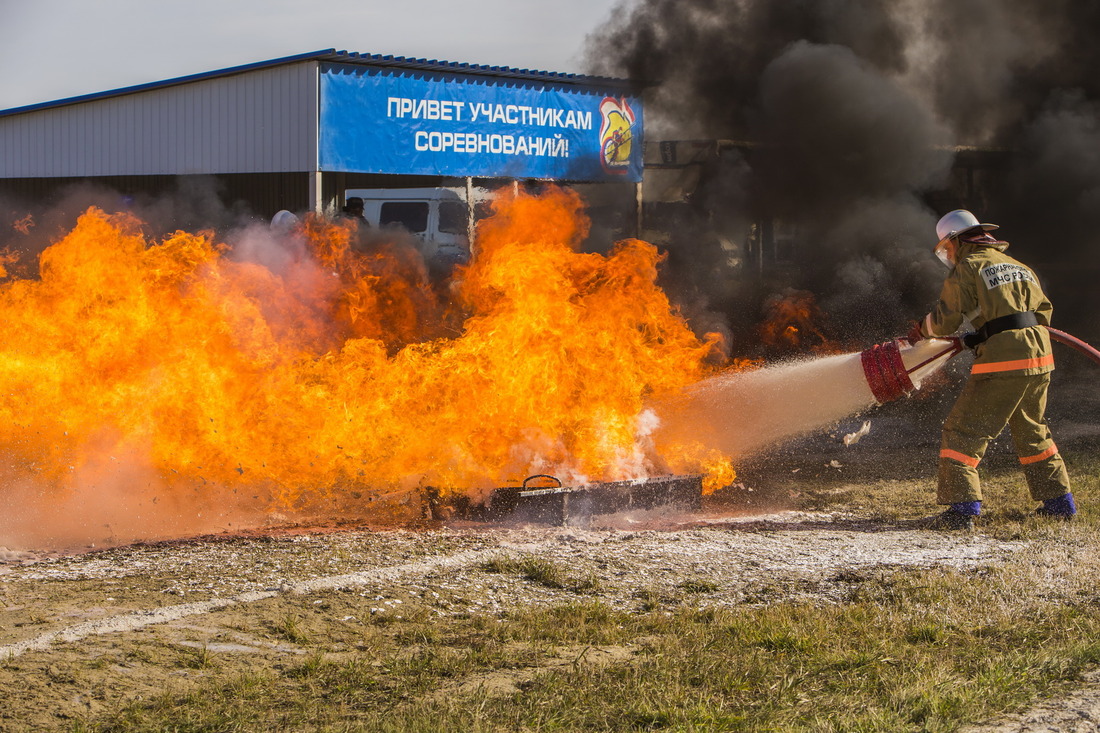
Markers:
point(1074, 343)
point(897, 367)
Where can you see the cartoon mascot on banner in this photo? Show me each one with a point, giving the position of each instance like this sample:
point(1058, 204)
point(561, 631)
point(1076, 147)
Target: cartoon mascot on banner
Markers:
point(616, 134)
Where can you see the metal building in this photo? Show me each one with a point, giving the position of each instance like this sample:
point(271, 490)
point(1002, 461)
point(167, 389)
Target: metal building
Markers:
point(294, 132)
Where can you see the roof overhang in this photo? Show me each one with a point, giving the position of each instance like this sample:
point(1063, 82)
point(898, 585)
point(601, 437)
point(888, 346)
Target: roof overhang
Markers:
point(346, 57)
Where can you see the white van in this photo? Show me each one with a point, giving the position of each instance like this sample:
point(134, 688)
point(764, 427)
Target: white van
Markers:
point(438, 217)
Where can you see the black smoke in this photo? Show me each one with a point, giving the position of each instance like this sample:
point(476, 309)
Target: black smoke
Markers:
point(191, 203)
point(848, 122)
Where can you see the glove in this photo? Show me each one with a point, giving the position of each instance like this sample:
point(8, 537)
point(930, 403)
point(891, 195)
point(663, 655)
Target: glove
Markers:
point(914, 334)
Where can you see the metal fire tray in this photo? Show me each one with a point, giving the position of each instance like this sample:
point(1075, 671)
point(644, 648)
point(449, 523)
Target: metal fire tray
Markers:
point(543, 499)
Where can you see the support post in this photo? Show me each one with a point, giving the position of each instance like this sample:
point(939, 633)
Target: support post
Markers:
point(470, 213)
point(336, 199)
point(639, 210)
point(316, 195)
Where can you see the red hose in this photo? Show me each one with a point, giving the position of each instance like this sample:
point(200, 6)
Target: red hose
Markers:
point(1075, 343)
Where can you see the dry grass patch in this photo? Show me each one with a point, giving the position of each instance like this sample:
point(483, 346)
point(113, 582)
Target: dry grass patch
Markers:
point(692, 630)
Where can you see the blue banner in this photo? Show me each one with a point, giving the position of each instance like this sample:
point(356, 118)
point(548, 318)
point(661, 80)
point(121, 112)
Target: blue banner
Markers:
point(426, 123)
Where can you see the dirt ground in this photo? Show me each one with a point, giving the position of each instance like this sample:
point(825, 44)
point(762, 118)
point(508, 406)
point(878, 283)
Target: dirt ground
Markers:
point(85, 630)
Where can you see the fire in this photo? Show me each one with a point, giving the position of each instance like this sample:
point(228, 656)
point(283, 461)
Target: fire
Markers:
point(23, 225)
point(7, 258)
point(792, 321)
point(188, 377)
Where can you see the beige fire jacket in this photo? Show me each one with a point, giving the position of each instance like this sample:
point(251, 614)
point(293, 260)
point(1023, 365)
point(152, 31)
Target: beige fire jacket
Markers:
point(986, 284)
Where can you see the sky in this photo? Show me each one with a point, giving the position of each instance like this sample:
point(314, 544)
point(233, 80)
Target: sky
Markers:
point(54, 49)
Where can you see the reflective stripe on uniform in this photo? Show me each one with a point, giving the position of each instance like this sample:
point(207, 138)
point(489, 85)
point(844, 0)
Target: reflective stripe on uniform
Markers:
point(1051, 451)
point(960, 457)
point(1008, 366)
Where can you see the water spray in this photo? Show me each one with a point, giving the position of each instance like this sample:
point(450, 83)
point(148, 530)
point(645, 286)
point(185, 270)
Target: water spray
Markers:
point(743, 412)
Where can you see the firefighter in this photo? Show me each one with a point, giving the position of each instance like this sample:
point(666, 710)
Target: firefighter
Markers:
point(354, 209)
point(1003, 301)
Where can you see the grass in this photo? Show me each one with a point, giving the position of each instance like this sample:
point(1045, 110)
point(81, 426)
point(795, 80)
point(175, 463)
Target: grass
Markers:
point(906, 650)
point(290, 628)
point(699, 585)
point(542, 571)
point(918, 651)
point(199, 658)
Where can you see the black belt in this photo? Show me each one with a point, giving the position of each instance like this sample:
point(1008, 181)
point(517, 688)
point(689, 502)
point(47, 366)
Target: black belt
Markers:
point(999, 325)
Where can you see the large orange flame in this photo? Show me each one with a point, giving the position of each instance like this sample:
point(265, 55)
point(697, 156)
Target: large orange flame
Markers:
point(199, 378)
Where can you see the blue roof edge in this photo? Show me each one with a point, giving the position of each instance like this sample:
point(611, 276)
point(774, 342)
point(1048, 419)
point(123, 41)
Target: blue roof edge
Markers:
point(334, 56)
point(404, 62)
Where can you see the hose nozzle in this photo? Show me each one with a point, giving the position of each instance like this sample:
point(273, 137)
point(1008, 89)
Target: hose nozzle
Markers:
point(896, 368)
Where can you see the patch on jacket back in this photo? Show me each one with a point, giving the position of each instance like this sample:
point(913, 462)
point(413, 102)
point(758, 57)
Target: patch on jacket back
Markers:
point(1005, 273)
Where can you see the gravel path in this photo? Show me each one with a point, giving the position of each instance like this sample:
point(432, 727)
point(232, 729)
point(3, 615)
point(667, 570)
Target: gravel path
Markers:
point(790, 555)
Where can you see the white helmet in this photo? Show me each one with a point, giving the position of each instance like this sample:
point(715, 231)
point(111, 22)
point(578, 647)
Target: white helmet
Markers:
point(284, 221)
point(950, 226)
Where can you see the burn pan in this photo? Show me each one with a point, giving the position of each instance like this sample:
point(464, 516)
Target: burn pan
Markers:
point(543, 499)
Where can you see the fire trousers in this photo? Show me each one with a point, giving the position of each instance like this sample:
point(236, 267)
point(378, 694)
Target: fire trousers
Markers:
point(986, 405)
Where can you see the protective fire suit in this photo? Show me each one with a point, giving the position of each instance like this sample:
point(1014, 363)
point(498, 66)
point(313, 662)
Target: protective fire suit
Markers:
point(1009, 380)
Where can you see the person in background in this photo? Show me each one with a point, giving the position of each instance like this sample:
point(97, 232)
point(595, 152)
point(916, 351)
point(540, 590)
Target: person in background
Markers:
point(1008, 383)
point(284, 222)
point(353, 209)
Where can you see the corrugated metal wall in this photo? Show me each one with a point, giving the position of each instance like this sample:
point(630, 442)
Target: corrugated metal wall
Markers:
point(257, 122)
point(260, 193)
